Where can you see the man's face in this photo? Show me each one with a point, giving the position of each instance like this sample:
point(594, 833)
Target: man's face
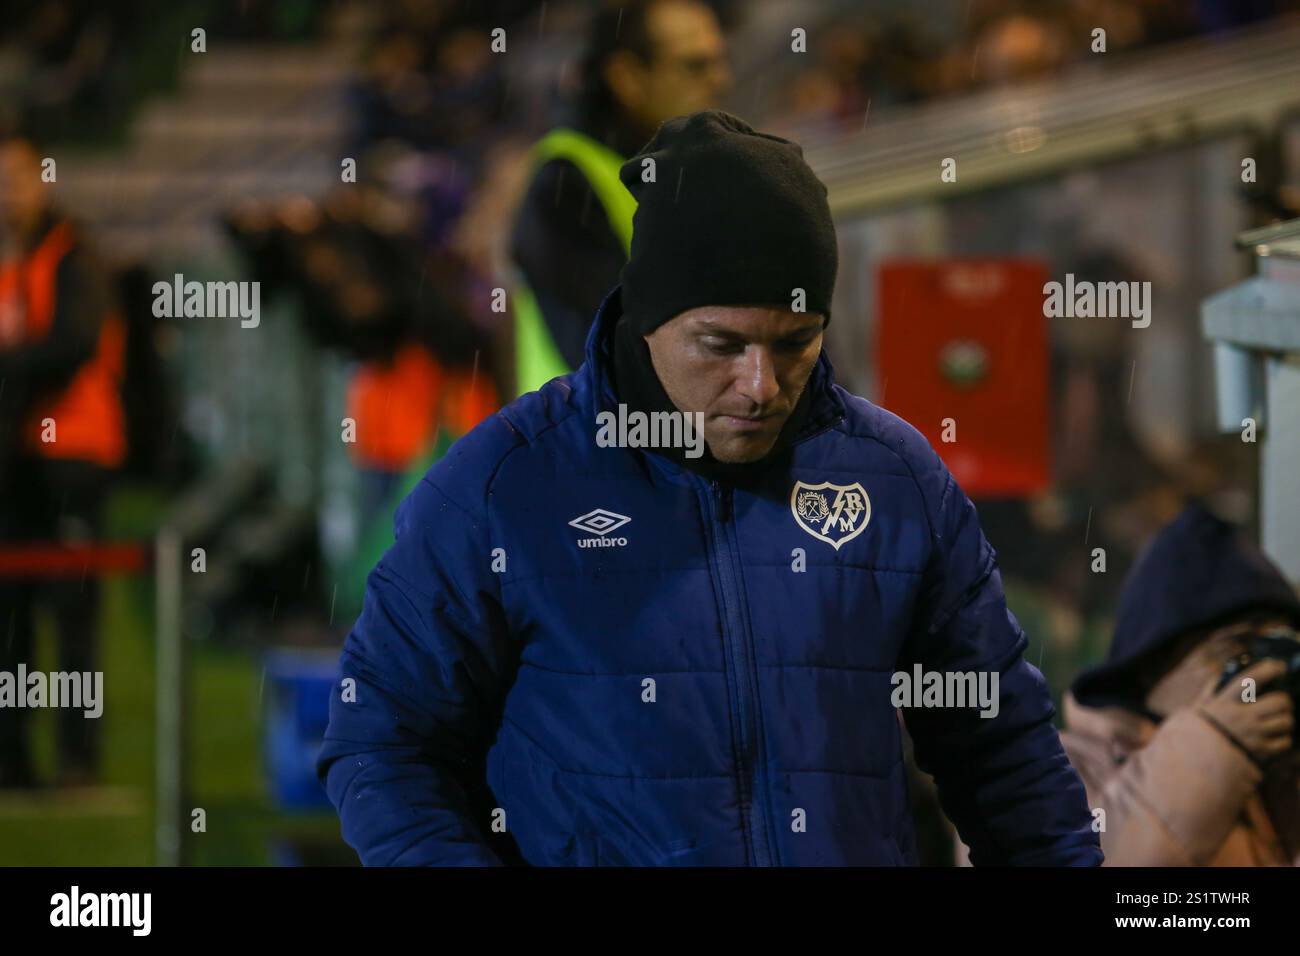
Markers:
point(743, 367)
point(687, 70)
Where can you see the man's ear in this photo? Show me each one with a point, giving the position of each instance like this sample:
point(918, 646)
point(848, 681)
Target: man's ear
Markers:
point(625, 75)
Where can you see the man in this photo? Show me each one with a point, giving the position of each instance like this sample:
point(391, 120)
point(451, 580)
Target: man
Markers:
point(580, 654)
point(1189, 774)
point(647, 60)
point(62, 432)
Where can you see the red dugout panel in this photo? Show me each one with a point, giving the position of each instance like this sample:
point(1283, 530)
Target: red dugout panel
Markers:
point(966, 340)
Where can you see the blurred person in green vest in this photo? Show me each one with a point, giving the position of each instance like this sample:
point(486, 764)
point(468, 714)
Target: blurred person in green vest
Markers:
point(646, 61)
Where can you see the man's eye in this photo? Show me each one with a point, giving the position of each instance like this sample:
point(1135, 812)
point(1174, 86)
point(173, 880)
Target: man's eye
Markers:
point(721, 346)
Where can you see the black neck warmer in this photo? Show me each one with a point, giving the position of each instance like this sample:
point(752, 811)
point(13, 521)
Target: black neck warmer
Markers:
point(637, 385)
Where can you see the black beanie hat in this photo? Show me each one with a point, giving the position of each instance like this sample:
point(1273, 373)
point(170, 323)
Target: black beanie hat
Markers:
point(733, 217)
point(1198, 572)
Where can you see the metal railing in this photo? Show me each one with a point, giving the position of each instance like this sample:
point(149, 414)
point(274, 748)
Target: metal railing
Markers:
point(1093, 113)
point(194, 518)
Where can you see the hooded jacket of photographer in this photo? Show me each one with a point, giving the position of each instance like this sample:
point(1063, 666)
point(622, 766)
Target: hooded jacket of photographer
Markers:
point(1175, 790)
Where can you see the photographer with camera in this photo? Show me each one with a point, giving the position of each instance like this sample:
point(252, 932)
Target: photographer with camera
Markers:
point(1184, 737)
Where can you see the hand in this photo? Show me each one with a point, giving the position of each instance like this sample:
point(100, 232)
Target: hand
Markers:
point(1263, 727)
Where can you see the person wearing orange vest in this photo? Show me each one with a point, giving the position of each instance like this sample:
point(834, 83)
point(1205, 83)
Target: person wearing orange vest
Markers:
point(389, 296)
point(62, 433)
point(400, 405)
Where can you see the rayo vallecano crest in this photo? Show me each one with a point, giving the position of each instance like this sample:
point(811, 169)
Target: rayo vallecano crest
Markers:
point(832, 513)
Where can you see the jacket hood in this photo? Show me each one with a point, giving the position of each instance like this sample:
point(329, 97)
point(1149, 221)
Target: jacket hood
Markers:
point(1198, 572)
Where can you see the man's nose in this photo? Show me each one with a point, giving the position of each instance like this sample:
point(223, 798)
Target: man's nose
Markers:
point(757, 378)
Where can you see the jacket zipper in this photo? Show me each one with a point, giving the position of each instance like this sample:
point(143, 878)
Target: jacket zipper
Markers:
point(740, 662)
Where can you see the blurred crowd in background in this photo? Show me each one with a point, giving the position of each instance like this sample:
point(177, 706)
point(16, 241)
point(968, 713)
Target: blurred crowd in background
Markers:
point(389, 278)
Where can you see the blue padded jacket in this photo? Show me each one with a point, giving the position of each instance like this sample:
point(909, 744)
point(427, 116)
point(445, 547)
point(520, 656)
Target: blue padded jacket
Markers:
point(579, 655)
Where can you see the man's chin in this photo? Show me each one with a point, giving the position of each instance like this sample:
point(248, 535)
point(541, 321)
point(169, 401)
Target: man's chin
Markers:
point(742, 450)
